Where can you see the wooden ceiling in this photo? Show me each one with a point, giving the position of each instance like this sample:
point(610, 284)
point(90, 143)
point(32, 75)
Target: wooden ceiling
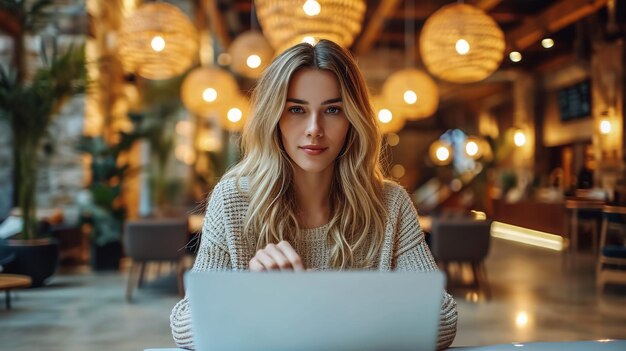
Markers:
point(573, 24)
point(524, 22)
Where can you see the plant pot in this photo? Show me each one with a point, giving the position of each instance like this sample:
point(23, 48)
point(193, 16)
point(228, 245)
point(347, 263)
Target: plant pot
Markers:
point(106, 257)
point(36, 258)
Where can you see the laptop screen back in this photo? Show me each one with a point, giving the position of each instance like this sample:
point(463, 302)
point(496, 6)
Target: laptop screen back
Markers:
point(361, 310)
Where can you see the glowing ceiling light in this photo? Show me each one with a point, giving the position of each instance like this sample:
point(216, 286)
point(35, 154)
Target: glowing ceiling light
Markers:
point(309, 39)
point(521, 320)
point(234, 115)
point(442, 153)
point(253, 61)
point(515, 56)
point(209, 95)
point(462, 47)
point(385, 116)
point(157, 43)
point(519, 138)
point(547, 43)
point(410, 97)
point(312, 8)
point(605, 126)
point(471, 148)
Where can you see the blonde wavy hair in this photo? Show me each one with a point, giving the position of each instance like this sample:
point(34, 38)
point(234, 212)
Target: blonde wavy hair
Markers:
point(356, 229)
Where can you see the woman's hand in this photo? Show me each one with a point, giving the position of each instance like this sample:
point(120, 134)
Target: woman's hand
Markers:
point(279, 257)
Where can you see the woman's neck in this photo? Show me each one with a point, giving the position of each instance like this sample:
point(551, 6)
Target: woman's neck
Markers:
point(312, 196)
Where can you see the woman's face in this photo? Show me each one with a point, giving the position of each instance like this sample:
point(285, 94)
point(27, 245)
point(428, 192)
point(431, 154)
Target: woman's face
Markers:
point(313, 124)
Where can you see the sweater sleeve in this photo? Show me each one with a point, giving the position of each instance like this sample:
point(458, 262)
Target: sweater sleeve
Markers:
point(412, 254)
point(212, 255)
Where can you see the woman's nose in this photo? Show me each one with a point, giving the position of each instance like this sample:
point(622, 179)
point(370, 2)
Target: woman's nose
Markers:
point(314, 128)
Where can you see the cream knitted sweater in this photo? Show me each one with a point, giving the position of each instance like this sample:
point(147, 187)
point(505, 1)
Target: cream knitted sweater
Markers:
point(223, 246)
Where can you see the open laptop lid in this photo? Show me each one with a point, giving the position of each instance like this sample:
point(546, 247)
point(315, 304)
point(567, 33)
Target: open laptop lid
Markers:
point(360, 310)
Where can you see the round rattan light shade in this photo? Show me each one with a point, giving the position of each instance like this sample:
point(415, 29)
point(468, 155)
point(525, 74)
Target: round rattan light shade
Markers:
point(415, 86)
point(208, 89)
point(389, 120)
point(460, 43)
point(157, 41)
point(242, 50)
point(285, 23)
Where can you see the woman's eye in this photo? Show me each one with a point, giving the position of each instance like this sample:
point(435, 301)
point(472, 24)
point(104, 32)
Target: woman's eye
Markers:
point(296, 109)
point(333, 110)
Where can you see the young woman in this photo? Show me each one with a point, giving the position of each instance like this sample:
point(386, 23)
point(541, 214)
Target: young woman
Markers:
point(309, 192)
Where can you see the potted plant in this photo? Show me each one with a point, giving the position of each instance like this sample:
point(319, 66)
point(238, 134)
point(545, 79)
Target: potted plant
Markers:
point(102, 209)
point(29, 106)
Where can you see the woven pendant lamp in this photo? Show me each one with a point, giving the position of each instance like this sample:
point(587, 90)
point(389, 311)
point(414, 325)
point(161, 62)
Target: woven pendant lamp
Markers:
point(412, 93)
point(207, 89)
point(157, 41)
point(289, 22)
point(461, 43)
point(389, 120)
point(250, 53)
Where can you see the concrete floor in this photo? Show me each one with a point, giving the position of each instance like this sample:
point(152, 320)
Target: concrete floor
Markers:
point(537, 295)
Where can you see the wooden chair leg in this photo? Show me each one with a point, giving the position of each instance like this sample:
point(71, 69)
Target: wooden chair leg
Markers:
point(476, 283)
point(142, 272)
point(132, 276)
point(484, 281)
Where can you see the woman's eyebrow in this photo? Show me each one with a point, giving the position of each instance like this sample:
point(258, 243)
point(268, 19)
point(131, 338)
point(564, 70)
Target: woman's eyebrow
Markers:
point(297, 101)
point(304, 102)
point(331, 101)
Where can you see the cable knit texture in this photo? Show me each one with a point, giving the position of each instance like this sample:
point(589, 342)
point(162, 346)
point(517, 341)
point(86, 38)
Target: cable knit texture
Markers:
point(223, 246)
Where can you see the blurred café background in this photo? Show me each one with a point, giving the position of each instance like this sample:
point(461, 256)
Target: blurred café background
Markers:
point(504, 119)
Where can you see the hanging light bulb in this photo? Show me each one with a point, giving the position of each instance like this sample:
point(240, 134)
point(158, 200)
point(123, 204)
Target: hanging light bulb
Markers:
point(605, 126)
point(234, 113)
point(389, 121)
point(312, 8)
point(519, 138)
point(253, 61)
point(209, 95)
point(473, 147)
point(385, 116)
point(158, 43)
point(410, 97)
point(547, 43)
point(515, 56)
point(440, 152)
point(462, 47)
point(309, 39)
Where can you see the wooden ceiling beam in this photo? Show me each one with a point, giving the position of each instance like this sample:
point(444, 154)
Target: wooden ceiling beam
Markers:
point(217, 23)
point(9, 24)
point(423, 13)
point(485, 5)
point(554, 18)
point(371, 32)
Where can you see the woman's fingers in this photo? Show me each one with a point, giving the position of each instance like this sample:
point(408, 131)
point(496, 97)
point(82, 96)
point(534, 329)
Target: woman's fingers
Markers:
point(281, 256)
point(266, 260)
point(291, 255)
point(255, 265)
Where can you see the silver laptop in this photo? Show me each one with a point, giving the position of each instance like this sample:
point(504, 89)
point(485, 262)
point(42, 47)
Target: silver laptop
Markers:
point(315, 310)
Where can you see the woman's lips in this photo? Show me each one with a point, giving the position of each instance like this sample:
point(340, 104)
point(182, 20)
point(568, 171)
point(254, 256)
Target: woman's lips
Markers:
point(313, 149)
